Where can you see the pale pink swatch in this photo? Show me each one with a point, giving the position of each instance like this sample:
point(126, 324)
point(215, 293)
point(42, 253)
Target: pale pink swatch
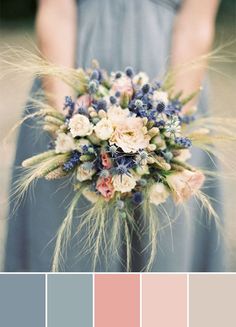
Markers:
point(164, 300)
point(117, 300)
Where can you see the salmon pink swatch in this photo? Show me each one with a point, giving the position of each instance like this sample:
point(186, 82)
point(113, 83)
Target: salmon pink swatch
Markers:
point(164, 300)
point(117, 300)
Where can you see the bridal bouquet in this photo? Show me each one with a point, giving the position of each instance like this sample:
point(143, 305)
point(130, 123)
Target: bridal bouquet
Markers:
point(123, 143)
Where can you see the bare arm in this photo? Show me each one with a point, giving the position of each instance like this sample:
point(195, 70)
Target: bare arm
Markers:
point(193, 36)
point(56, 32)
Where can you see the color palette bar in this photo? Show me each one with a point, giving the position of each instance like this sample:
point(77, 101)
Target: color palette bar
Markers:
point(117, 300)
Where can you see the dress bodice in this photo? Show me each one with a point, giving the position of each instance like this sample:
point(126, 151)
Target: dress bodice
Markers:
point(122, 33)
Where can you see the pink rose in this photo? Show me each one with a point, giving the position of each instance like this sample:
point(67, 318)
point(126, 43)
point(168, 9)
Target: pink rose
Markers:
point(106, 160)
point(123, 84)
point(185, 184)
point(105, 187)
point(84, 101)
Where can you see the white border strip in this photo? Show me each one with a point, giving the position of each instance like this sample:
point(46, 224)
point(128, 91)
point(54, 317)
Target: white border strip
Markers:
point(141, 299)
point(46, 299)
point(187, 300)
point(93, 285)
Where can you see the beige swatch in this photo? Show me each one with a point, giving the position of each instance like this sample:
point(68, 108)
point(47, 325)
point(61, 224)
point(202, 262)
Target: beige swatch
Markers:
point(212, 300)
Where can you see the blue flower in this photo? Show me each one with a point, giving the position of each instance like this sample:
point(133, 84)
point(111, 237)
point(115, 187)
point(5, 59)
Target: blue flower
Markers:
point(72, 162)
point(137, 197)
point(183, 142)
point(161, 107)
point(117, 94)
point(129, 71)
point(146, 88)
point(113, 100)
point(70, 105)
point(118, 75)
point(93, 86)
point(101, 105)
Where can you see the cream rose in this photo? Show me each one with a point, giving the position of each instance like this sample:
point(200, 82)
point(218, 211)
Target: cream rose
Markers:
point(84, 172)
point(130, 135)
point(160, 96)
point(80, 125)
point(123, 183)
point(117, 115)
point(185, 184)
point(64, 143)
point(103, 129)
point(158, 193)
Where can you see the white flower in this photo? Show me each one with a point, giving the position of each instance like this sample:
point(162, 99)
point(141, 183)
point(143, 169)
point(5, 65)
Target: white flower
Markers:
point(183, 155)
point(172, 127)
point(116, 114)
point(64, 143)
point(103, 129)
point(123, 183)
point(80, 125)
point(160, 96)
point(141, 79)
point(84, 172)
point(158, 193)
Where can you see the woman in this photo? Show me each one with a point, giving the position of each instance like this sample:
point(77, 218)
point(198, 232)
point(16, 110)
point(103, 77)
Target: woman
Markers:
point(150, 35)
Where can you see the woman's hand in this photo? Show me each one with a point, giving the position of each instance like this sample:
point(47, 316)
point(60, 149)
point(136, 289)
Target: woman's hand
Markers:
point(192, 38)
point(56, 31)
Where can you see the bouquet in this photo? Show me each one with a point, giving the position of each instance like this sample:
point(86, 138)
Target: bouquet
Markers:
point(123, 144)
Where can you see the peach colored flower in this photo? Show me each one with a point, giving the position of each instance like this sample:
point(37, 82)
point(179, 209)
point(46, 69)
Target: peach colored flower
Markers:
point(106, 160)
point(105, 187)
point(183, 155)
point(84, 101)
point(123, 84)
point(130, 135)
point(185, 184)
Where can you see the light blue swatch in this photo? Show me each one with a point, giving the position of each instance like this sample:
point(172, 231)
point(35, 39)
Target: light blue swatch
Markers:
point(70, 300)
point(22, 300)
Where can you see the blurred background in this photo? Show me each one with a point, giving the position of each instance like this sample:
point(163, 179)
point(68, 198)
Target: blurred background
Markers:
point(17, 29)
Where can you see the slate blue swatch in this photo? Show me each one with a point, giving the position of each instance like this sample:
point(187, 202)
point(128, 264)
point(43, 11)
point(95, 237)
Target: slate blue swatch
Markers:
point(22, 300)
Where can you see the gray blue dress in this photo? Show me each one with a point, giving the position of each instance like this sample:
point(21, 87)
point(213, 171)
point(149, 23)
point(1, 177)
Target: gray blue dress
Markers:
point(118, 33)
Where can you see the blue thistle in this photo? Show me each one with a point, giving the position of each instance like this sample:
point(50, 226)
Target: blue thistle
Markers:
point(101, 105)
point(145, 88)
point(137, 197)
point(129, 72)
point(118, 75)
point(161, 107)
point(117, 94)
point(93, 86)
point(113, 100)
